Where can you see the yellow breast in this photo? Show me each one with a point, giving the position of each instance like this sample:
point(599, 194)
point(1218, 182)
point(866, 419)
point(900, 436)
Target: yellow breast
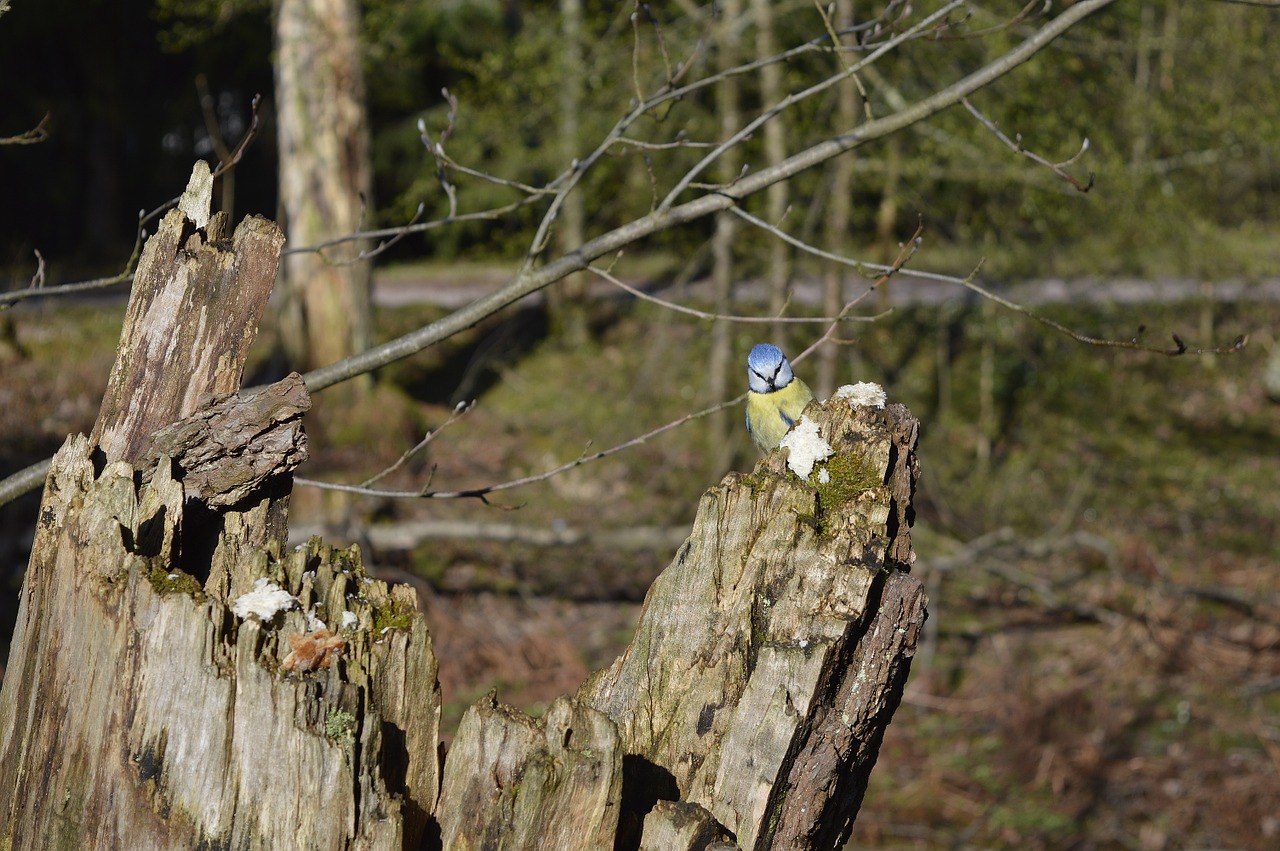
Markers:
point(771, 415)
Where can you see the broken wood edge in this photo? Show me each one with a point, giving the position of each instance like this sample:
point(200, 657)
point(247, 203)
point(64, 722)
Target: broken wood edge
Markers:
point(520, 782)
point(225, 451)
point(193, 311)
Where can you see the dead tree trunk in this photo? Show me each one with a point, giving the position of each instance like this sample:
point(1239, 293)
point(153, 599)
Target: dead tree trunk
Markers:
point(769, 659)
point(178, 680)
point(139, 709)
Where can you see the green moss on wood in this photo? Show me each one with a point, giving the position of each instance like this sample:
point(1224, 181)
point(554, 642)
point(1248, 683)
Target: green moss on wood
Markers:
point(172, 581)
point(392, 614)
point(340, 726)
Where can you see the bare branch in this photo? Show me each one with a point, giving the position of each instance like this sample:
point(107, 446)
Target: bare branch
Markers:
point(728, 317)
point(1179, 347)
point(797, 97)
point(31, 137)
point(530, 280)
point(908, 251)
point(482, 493)
point(460, 411)
point(38, 288)
point(144, 217)
point(223, 167)
point(37, 280)
point(1016, 147)
point(1028, 13)
point(866, 269)
point(24, 481)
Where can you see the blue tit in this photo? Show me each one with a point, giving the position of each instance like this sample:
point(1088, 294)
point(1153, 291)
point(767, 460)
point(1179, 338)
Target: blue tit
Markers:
point(776, 398)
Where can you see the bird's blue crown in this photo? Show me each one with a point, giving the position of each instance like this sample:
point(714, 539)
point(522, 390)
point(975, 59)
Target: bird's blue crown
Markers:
point(768, 369)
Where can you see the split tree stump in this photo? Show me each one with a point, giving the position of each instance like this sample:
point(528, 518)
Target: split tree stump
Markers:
point(142, 708)
point(138, 711)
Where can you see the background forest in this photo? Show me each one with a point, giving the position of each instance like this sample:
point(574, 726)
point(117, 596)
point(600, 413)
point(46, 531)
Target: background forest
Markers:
point(1097, 526)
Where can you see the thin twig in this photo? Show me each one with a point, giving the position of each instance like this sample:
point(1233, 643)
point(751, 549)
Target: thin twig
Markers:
point(126, 276)
point(482, 493)
point(908, 251)
point(796, 97)
point(459, 411)
point(533, 280)
point(727, 317)
point(223, 167)
point(862, 267)
point(1016, 147)
point(1179, 347)
point(31, 137)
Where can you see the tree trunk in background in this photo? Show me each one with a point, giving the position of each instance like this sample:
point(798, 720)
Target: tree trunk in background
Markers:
point(836, 232)
point(777, 196)
point(325, 178)
point(720, 361)
point(568, 299)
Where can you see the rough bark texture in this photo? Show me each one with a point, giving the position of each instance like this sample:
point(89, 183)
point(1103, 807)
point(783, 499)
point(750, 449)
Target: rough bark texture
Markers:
point(755, 634)
point(512, 783)
point(139, 709)
point(193, 311)
point(231, 447)
point(145, 707)
point(768, 660)
point(680, 826)
point(140, 712)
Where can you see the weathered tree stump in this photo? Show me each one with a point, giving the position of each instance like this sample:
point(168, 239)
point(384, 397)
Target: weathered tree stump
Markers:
point(769, 658)
point(139, 710)
point(178, 680)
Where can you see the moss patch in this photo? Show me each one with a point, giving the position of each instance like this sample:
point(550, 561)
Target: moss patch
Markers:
point(340, 726)
point(850, 477)
point(392, 614)
point(166, 581)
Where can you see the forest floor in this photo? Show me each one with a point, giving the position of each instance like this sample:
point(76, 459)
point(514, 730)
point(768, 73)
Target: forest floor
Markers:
point(1097, 530)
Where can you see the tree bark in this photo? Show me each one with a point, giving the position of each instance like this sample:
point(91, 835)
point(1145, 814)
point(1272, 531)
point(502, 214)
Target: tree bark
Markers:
point(325, 177)
point(193, 311)
point(155, 700)
point(141, 708)
point(751, 637)
point(511, 782)
point(768, 661)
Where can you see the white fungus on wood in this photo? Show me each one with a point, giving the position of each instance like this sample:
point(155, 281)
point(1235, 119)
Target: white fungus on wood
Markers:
point(265, 600)
point(806, 447)
point(862, 394)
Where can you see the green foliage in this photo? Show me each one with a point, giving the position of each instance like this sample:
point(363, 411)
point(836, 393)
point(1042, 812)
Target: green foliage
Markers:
point(187, 24)
point(1183, 150)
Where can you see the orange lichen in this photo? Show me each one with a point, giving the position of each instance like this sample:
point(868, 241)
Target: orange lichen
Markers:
point(312, 651)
